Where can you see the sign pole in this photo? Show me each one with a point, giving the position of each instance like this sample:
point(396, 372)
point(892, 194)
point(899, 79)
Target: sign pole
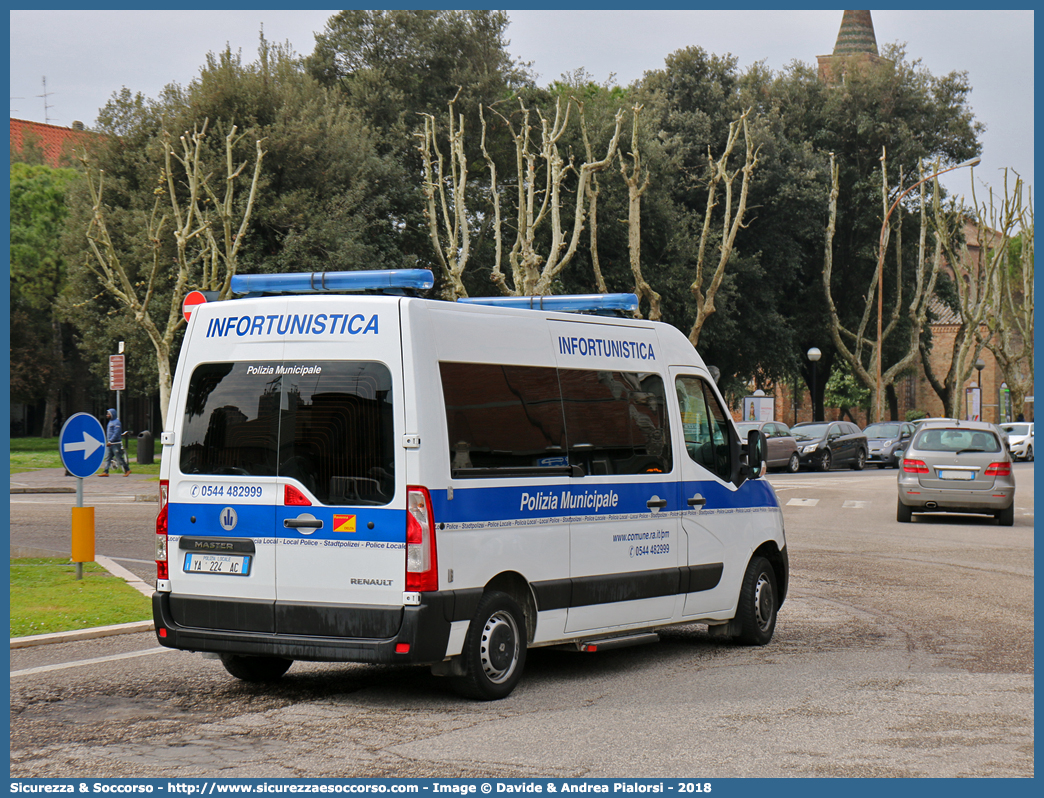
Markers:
point(119, 385)
point(81, 445)
point(79, 504)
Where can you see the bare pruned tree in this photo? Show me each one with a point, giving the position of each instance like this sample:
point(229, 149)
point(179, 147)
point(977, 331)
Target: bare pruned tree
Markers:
point(540, 199)
point(859, 347)
point(637, 183)
point(208, 232)
point(1010, 320)
point(542, 173)
point(706, 284)
point(445, 199)
point(979, 258)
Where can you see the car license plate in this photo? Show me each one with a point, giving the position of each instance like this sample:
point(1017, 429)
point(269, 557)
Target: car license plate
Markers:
point(227, 564)
point(956, 475)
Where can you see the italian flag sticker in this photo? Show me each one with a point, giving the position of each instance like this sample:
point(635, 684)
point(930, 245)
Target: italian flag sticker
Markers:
point(344, 523)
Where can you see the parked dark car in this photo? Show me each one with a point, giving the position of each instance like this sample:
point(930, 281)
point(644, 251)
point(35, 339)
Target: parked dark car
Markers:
point(826, 444)
point(782, 451)
point(887, 440)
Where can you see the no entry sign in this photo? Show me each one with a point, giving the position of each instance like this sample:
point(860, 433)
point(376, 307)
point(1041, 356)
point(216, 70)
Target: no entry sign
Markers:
point(194, 298)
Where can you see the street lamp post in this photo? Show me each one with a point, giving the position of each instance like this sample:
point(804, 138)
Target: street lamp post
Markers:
point(980, 364)
point(880, 266)
point(813, 355)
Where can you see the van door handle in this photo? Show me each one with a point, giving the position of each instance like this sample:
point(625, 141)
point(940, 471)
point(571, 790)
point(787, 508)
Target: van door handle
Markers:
point(303, 523)
point(659, 503)
point(697, 501)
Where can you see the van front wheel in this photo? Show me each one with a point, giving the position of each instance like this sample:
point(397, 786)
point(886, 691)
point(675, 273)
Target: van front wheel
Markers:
point(494, 649)
point(757, 604)
point(256, 669)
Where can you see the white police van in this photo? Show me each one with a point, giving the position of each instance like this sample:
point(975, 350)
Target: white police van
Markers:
point(378, 477)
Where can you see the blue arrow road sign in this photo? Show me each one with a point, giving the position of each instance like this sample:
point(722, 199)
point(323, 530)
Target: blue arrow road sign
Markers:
point(82, 444)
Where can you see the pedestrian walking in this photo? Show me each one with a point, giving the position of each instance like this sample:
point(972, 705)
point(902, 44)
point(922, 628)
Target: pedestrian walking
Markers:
point(114, 444)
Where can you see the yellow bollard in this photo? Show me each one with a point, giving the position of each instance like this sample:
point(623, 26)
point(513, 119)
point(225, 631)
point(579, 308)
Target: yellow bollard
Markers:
point(82, 537)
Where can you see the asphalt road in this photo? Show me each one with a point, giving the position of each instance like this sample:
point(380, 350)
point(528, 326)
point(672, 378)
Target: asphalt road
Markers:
point(903, 650)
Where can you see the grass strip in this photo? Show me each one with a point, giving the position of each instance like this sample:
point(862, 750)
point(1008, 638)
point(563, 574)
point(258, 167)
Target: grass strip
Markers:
point(46, 597)
point(30, 454)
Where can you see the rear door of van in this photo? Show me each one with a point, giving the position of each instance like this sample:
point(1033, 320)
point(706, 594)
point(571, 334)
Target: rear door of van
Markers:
point(222, 486)
point(286, 460)
point(341, 417)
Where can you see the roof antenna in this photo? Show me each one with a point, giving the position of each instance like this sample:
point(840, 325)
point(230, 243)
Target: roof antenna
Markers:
point(45, 95)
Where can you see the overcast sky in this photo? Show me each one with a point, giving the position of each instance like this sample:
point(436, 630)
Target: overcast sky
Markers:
point(87, 55)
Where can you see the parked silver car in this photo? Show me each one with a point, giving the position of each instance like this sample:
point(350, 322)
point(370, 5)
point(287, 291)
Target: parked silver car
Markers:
point(887, 440)
point(958, 467)
point(782, 450)
point(1020, 439)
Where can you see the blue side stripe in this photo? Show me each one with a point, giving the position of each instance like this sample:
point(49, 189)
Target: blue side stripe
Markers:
point(266, 521)
point(515, 502)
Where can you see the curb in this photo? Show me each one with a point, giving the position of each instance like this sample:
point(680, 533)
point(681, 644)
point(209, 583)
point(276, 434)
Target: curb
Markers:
point(96, 631)
point(82, 634)
point(137, 497)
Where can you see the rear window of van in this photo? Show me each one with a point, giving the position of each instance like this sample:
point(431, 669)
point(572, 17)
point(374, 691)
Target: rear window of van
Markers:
point(327, 424)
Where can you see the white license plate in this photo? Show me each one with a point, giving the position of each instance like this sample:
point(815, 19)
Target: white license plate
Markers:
point(227, 564)
point(956, 475)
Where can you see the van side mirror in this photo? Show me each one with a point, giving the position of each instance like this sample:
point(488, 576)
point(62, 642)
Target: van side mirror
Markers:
point(756, 448)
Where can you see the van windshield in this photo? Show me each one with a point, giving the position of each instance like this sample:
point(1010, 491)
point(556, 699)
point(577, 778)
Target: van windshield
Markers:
point(326, 424)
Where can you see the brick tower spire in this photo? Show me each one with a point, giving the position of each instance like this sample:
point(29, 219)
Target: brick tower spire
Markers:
point(856, 35)
point(856, 46)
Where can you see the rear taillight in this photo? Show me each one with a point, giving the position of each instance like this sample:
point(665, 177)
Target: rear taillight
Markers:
point(292, 497)
point(161, 532)
point(421, 560)
point(998, 470)
point(915, 466)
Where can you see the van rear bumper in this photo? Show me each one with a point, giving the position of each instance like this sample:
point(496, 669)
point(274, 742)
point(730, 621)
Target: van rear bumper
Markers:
point(421, 636)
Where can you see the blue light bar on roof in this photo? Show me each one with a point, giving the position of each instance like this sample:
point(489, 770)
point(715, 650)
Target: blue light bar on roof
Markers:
point(417, 279)
point(566, 303)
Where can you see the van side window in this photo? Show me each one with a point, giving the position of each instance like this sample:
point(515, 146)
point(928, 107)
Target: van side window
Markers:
point(510, 417)
point(326, 424)
point(616, 422)
point(705, 426)
point(503, 416)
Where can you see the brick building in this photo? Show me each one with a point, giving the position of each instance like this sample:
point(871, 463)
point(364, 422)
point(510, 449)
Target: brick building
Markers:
point(56, 143)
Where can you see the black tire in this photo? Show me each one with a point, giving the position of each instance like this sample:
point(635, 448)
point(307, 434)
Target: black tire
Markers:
point(1006, 517)
point(256, 669)
point(494, 649)
point(824, 461)
point(903, 514)
point(756, 613)
point(793, 464)
point(1029, 453)
point(860, 461)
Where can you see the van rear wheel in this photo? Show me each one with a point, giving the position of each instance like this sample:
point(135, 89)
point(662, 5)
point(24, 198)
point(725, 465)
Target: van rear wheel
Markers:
point(757, 604)
point(494, 649)
point(256, 669)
